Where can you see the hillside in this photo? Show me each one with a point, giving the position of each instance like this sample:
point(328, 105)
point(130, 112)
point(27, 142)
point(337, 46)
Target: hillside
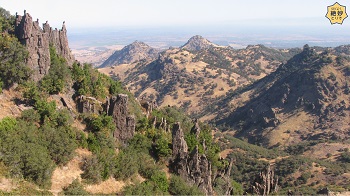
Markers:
point(131, 53)
point(67, 129)
point(190, 79)
point(306, 98)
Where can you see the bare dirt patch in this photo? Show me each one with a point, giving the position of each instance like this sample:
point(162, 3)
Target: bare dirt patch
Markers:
point(7, 185)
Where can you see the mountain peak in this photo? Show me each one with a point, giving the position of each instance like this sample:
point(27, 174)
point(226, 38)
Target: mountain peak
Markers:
point(131, 53)
point(139, 44)
point(197, 43)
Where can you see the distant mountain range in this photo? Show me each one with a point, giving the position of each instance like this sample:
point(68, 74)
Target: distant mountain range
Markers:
point(196, 73)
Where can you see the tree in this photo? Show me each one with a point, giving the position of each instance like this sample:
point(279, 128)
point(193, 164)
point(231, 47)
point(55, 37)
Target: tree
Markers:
point(37, 165)
point(162, 146)
point(12, 58)
point(6, 21)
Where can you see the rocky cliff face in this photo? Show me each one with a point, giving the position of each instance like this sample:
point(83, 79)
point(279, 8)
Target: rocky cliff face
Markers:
point(131, 53)
point(117, 107)
point(37, 42)
point(197, 43)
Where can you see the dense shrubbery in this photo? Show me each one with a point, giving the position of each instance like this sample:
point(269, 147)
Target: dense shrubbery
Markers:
point(12, 54)
point(12, 58)
point(31, 148)
point(178, 186)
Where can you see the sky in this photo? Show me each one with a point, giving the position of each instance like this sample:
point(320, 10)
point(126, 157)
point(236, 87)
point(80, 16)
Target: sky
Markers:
point(293, 19)
point(101, 13)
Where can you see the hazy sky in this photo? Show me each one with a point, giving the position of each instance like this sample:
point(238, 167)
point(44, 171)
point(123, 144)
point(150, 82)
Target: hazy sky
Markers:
point(293, 22)
point(90, 13)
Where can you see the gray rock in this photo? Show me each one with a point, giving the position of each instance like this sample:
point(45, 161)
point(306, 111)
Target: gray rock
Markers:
point(117, 107)
point(89, 105)
point(37, 42)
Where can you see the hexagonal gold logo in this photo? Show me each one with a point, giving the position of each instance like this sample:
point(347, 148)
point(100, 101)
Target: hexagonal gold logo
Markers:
point(336, 13)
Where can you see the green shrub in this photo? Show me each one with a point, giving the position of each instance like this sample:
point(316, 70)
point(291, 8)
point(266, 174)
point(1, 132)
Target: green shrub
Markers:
point(127, 164)
point(37, 165)
point(75, 188)
point(162, 146)
point(178, 186)
point(160, 180)
point(30, 115)
point(60, 145)
point(145, 188)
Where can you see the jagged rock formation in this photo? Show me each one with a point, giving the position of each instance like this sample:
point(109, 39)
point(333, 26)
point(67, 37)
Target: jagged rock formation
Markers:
point(225, 176)
point(148, 106)
point(117, 107)
point(266, 183)
point(193, 167)
point(37, 42)
point(196, 130)
point(197, 43)
point(131, 53)
point(89, 105)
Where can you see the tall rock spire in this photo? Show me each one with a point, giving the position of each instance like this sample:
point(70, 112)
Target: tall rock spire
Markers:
point(37, 40)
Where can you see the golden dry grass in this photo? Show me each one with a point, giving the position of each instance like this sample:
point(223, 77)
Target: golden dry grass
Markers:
point(64, 176)
point(109, 186)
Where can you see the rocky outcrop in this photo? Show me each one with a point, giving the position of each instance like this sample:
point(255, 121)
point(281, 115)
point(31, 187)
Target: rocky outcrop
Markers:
point(196, 130)
point(131, 53)
point(266, 183)
point(37, 42)
point(223, 180)
point(148, 106)
point(117, 107)
point(197, 43)
point(193, 167)
point(89, 105)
